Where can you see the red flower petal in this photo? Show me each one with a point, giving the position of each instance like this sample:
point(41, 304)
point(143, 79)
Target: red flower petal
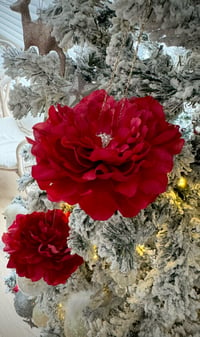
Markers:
point(37, 244)
point(128, 188)
point(99, 203)
point(105, 150)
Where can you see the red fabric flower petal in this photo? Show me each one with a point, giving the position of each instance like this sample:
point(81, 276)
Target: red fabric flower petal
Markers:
point(96, 198)
point(37, 245)
point(104, 154)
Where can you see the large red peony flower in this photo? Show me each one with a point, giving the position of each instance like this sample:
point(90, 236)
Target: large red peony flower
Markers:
point(37, 244)
point(104, 154)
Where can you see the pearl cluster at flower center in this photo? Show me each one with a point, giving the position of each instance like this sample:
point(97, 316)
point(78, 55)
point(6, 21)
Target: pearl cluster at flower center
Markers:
point(105, 139)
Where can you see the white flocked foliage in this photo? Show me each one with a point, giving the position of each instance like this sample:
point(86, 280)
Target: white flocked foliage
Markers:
point(141, 276)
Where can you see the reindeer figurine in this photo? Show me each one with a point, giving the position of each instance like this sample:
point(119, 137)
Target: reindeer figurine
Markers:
point(37, 33)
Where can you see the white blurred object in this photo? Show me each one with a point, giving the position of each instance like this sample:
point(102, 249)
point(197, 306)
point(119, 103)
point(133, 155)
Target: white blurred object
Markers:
point(11, 211)
point(12, 138)
point(4, 93)
point(39, 317)
point(74, 306)
point(13, 132)
point(29, 287)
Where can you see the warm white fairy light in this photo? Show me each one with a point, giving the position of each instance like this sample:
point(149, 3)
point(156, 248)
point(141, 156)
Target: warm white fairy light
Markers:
point(182, 182)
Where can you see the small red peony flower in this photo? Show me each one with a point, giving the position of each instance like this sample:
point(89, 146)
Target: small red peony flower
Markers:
point(104, 154)
point(37, 244)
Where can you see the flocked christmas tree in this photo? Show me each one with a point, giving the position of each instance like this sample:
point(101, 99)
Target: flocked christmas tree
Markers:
point(110, 244)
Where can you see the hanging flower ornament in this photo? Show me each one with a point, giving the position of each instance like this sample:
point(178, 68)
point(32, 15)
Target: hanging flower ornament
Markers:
point(37, 245)
point(104, 154)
